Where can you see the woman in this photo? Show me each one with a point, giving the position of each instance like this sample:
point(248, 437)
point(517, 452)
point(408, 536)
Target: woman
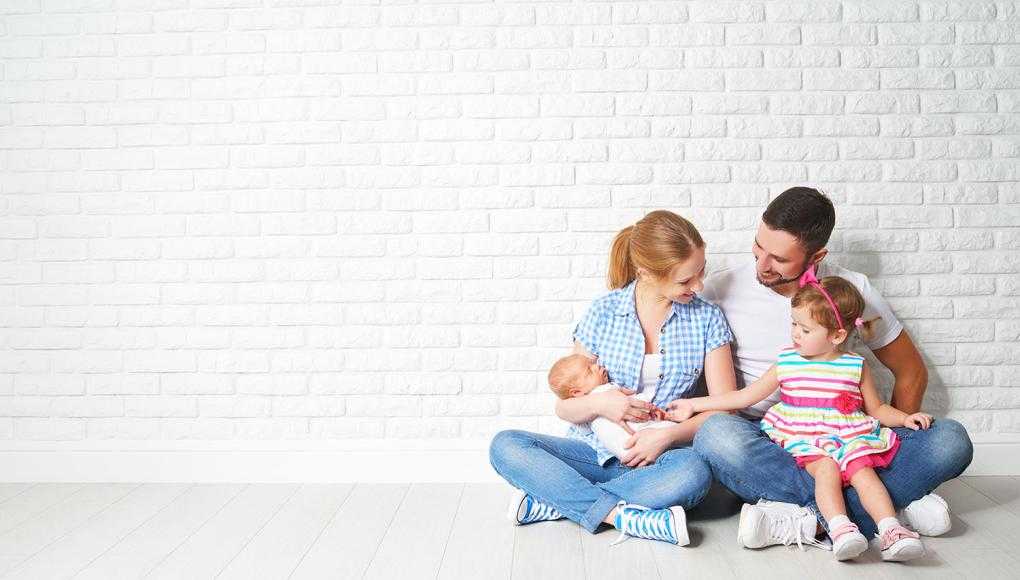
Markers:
point(654, 336)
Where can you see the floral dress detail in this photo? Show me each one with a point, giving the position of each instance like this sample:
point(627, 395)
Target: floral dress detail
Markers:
point(820, 415)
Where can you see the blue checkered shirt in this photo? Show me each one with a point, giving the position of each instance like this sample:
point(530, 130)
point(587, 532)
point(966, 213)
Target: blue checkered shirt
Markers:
point(610, 330)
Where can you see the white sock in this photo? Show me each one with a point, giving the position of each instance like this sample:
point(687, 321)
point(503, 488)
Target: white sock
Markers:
point(838, 521)
point(887, 523)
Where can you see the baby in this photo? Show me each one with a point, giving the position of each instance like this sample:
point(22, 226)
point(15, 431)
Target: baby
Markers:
point(577, 375)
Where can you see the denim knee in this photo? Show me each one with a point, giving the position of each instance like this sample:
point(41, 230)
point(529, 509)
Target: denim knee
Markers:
point(507, 449)
point(717, 440)
point(685, 483)
point(951, 447)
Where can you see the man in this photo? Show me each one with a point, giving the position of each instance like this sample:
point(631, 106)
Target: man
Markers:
point(755, 297)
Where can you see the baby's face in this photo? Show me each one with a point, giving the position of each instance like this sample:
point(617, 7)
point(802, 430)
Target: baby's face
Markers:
point(589, 376)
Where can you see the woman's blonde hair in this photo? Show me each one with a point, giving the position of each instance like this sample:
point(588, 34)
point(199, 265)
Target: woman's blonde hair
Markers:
point(656, 243)
point(847, 299)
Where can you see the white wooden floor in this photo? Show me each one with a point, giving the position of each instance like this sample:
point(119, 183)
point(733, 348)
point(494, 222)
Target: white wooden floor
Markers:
point(445, 531)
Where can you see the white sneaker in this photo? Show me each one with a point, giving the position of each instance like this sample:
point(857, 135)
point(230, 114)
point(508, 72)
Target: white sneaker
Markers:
point(928, 516)
point(770, 523)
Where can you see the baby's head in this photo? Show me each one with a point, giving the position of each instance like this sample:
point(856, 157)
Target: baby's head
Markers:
point(815, 327)
point(575, 376)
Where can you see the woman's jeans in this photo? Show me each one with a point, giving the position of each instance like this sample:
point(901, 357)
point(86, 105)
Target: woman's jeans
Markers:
point(565, 474)
point(751, 465)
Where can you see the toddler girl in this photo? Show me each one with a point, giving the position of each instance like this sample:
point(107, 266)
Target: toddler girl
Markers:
point(819, 418)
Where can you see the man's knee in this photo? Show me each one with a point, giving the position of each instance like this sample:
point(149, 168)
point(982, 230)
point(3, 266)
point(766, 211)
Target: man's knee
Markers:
point(685, 483)
point(722, 438)
point(951, 446)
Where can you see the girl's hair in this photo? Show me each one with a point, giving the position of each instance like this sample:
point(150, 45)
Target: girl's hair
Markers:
point(657, 242)
point(847, 299)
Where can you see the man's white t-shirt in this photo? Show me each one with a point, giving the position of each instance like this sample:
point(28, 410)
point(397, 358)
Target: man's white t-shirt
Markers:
point(760, 319)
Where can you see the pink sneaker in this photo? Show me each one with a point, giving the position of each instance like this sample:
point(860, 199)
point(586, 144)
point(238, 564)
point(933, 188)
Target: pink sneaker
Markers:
point(900, 544)
point(847, 542)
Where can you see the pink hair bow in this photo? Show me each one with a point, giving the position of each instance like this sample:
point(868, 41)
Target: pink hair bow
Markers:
point(809, 277)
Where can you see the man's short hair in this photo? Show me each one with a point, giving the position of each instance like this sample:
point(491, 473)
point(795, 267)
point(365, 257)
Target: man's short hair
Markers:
point(805, 213)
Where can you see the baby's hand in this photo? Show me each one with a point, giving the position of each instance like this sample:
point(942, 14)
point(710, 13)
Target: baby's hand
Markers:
point(657, 414)
point(679, 410)
point(918, 421)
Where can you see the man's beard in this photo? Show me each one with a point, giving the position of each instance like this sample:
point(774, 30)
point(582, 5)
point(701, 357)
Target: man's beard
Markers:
point(782, 280)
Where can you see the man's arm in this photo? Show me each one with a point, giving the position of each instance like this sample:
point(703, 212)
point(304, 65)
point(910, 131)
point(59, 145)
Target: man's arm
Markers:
point(902, 358)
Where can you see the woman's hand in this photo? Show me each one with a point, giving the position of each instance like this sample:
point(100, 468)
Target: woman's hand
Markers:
point(618, 406)
point(918, 421)
point(679, 410)
point(645, 446)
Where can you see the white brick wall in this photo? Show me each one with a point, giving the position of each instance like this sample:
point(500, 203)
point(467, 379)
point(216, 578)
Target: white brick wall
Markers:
point(290, 220)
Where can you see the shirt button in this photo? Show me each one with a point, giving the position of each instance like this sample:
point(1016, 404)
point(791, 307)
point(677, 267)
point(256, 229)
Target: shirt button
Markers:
point(661, 375)
point(662, 351)
point(662, 330)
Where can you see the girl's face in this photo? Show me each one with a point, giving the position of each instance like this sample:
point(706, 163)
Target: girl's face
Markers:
point(684, 281)
point(809, 337)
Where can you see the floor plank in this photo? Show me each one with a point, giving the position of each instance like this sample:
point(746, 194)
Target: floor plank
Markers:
point(210, 549)
point(58, 520)
point(631, 558)
point(141, 550)
point(1003, 490)
point(442, 531)
point(9, 490)
point(20, 508)
point(548, 550)
point(414, 543)
point(346, 545)
point(482, 541)
point(75, 550)
point(281, 543)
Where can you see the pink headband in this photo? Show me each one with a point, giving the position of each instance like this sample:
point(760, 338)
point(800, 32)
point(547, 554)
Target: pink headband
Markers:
point(808, 277)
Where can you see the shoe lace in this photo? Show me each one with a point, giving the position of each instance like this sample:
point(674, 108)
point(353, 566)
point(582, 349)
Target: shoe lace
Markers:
point(785, 528)
point(895, 534)
point(639, 521)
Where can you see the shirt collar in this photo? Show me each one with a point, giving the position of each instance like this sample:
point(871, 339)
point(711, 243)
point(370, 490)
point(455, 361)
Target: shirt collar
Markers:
point(627, 305)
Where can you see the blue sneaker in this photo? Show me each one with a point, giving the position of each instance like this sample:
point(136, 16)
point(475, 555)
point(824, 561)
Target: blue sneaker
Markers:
point(524, 509)
point(665, 525)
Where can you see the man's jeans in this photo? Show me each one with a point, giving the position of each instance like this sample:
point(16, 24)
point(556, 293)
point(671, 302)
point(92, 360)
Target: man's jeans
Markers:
point(565, 474)
point(746, 461)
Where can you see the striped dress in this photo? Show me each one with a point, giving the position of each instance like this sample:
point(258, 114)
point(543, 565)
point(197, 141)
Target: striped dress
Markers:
point(820, 414)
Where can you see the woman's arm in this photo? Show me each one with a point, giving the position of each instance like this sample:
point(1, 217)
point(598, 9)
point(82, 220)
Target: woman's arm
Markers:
point(719, 374)
point(645, 446)
point(616, 405)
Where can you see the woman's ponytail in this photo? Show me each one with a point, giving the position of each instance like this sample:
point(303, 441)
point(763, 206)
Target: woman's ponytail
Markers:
point(656, 243)
point(621, 268)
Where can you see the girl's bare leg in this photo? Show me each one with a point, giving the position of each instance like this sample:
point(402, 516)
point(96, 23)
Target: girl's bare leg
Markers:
point(874, 497)
point(828, 487)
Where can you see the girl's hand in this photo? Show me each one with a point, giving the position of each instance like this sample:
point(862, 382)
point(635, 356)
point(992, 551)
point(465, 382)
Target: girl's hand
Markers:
point(679, 410)
point(918, 421)
point(645, 446)
point(619, 407)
